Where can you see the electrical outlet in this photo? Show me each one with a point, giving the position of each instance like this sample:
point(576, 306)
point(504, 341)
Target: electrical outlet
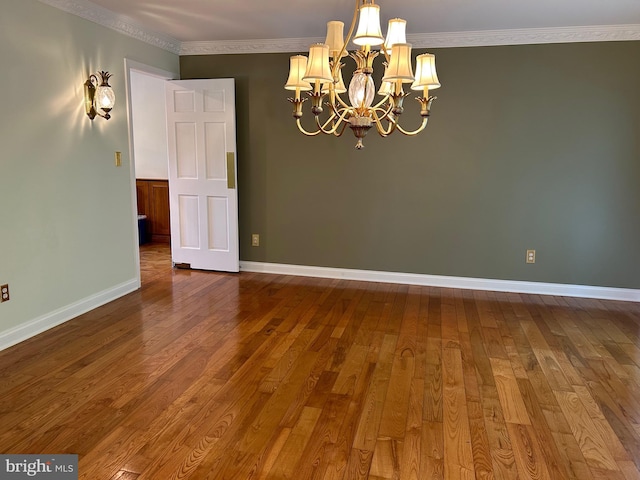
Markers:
point(255, 240)
point(531, 256)
point(4, 293)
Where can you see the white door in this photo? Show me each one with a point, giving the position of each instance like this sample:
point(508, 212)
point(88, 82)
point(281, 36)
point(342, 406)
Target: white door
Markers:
point(203, 198)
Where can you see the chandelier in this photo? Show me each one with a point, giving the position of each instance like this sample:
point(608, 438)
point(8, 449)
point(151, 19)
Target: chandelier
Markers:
point(321, 77)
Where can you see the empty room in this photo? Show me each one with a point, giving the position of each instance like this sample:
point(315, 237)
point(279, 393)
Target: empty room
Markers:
point(331, 240)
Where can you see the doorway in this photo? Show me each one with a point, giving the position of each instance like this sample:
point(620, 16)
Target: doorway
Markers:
point(148, 149)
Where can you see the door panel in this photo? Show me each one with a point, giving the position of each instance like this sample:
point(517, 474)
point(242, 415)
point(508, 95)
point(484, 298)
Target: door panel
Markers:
point(202, 139)
point(189, 217)
point(186, 150)
point(218, 211)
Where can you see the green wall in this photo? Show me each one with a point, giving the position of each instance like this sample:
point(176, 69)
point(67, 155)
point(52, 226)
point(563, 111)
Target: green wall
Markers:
point(66, 216)
point(528, 147)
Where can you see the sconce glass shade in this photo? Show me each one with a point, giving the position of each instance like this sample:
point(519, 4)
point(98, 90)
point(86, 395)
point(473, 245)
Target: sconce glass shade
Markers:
point(396, 33)
point(318, 64)
point(369, 32)
point(297, 69)
point(426, 76)
point(335, 38)
point(399, 64)
point(105, 98)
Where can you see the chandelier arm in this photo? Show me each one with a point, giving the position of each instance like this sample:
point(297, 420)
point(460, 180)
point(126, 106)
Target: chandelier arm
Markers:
point(336, 124)
point(342, 128)
point(327, 122)
point(414, 132)
point(385, 114)
point(348, 39)
point(387, 55)
point(380, 103)
point(307, 133)
point(335, 110)
point(323, 127)
point(340, 101)
point(346, 110)
point(378, 121)
point(342, 116)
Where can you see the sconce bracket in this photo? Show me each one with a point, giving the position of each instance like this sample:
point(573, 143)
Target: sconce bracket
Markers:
point(89, 95)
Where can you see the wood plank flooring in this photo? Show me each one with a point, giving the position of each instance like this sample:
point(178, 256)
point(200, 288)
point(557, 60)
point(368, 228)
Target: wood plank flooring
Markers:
point(270, 377)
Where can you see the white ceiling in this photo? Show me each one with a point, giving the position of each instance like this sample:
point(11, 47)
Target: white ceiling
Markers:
point(260, 26)
point(221, 20)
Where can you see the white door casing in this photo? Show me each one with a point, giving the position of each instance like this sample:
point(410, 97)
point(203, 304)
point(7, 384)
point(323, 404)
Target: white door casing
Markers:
point(203, 198)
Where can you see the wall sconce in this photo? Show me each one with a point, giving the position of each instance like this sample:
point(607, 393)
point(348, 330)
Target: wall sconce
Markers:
point(98, 96)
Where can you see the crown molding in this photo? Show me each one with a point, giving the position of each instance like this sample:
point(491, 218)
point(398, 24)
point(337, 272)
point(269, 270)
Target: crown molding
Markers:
point(119, 23)
point(282, 45)
point(484, 38)
point(600, 33)
point(528, 36)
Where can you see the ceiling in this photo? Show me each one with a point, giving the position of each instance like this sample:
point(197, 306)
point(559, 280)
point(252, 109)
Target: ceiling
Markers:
point(224, 20)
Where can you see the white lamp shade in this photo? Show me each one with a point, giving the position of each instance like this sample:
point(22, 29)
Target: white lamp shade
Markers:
point(426, 75)
point(297, 69)
point(318, 68)
point(338, 87)
point(386, 88)
point(369, 32)
point(335, 37)
point(105, 99)
point(399, 64)
point(396, 32)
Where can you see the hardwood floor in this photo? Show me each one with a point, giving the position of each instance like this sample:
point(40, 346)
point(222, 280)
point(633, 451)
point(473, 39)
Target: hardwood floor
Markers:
point(252, 376)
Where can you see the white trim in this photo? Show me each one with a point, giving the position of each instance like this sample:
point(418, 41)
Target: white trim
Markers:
point(538, 288)
point(598, 33)
point(45, 322)
point(127, 26)
point(129, 66)
point(268, 45)
point(151, 70)
point(119, 23)
point(529, 36)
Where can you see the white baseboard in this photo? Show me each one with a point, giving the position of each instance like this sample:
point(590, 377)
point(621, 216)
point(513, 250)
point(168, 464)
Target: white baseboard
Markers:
point(582, 291)
point(45, 322)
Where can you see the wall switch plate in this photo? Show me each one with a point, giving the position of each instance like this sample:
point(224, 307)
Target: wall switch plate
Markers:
point(255, 240)
point(118, 159)
point(4, 293)
point(531, 256)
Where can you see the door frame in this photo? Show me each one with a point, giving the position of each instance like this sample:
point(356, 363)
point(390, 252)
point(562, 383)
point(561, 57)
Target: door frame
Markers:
point(129, 66)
